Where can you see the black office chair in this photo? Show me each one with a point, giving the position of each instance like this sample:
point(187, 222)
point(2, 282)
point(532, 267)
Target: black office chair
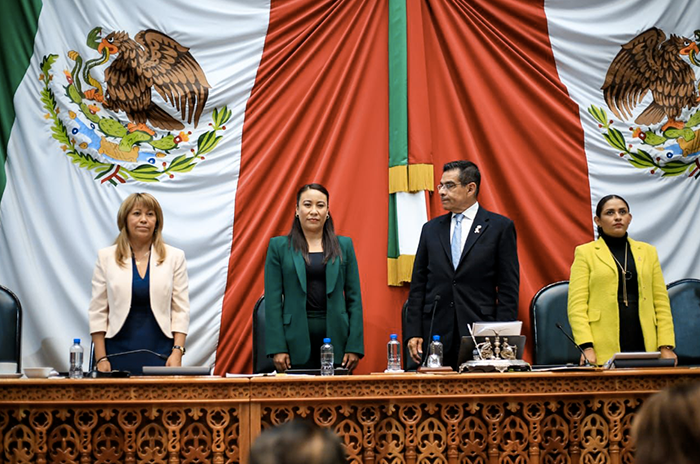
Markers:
point(261, 362)
point(549, 307)
point(685, 307)
point(10, 328)
point(408, 363)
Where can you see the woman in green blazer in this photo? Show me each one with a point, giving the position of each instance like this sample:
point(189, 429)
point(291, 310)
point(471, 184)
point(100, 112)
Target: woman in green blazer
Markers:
point(617, 295)
point(312, 289)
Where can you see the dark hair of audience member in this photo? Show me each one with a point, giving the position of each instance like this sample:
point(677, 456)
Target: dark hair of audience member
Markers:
point(667, 427)
point(297, 442)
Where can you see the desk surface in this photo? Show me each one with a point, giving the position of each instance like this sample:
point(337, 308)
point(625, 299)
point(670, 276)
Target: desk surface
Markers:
point(528, 417)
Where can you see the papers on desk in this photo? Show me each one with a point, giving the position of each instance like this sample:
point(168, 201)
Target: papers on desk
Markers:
point(490, 329)
point(568, 367)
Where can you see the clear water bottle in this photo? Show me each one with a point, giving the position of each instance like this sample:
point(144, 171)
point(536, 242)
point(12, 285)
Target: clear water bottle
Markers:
point(76, 360)
point(393, 354)
point(326, 357)
point(435, 352)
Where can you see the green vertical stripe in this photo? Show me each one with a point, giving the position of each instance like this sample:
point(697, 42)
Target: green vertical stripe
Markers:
point(393, 245)
point(398, 84)
point(18, 24)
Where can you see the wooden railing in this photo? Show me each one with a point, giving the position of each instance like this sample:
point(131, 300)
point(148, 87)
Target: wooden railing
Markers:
point(471, 418)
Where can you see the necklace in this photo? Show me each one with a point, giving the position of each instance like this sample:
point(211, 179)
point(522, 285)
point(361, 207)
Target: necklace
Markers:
point(139, 260)
point(627, 274)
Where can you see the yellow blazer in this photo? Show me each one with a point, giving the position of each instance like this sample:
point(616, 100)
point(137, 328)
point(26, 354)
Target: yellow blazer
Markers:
point(111, 292)
point(593, 307)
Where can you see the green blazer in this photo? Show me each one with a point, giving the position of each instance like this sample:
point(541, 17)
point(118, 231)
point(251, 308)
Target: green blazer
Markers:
point(286, 327)
point(593, 307)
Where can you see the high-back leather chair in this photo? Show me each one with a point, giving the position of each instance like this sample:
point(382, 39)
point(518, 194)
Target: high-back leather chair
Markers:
point(685, 307)
point(549, 307)
point(261, 362)
point(408, 363)
point(10, 328)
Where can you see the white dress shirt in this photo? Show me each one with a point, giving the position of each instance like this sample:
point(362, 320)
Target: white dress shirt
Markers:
point(467, 221)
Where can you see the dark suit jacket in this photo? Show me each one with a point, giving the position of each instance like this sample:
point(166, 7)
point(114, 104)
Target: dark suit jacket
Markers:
point(286, 327)
point(484, 287)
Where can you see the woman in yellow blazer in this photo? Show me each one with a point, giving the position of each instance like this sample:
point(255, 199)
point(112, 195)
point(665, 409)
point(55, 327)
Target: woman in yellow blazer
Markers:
point(139, 292)
point(617, 295)
point(312, 289)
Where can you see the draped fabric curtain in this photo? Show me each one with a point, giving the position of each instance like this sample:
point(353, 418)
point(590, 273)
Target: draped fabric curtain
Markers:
point(305, 89)
point(482, 85)
point(492, 95)
point(317, 113)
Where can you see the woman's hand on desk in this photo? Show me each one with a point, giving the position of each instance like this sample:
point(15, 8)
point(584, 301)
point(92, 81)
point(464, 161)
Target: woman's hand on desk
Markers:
point(350, 361)
point(282, 362)
point(668, 353)
point(104, 366)
point(590, 355)
point(175, 358)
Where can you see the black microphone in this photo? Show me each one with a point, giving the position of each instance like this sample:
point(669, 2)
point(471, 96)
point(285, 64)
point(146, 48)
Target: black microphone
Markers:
point(587, 362)
point(430, 334)
point(94, 373)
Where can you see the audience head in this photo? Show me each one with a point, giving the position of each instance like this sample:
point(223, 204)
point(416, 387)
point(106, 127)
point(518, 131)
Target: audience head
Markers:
point(667, 427)
point(297, 442)
point(612, 216)
point(459, 185)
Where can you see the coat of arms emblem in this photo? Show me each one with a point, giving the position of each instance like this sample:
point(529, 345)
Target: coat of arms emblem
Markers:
point(137, 123)
point(663, 138)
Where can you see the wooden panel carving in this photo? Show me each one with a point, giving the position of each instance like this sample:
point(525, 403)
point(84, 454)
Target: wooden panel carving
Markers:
point(475, 432)
point(543, 418)
point(158, 435)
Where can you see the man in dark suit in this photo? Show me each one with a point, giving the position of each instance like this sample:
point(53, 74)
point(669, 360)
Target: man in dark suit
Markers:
point(469, 259)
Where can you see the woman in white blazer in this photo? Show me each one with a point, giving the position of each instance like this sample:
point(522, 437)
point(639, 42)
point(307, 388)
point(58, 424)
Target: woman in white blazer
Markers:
point(140, 297)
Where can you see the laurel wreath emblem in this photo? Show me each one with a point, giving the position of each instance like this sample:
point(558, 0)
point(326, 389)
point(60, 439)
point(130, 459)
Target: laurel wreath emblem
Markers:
point(677, 150)
point(117, 140)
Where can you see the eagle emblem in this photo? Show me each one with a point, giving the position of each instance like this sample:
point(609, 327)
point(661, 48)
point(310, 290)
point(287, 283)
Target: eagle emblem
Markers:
point(654, 77)
point(154, 61)
point(136, 124)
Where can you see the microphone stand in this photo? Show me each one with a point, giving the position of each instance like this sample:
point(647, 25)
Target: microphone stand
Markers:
point(587, 363)
point(94, 373)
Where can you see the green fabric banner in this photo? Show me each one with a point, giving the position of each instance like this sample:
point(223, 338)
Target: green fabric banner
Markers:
point(18, 24)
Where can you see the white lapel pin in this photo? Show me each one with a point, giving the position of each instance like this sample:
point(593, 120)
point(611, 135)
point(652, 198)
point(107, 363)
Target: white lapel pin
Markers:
point(477, 229)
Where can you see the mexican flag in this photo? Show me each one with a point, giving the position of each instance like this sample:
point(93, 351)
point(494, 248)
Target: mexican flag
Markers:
point(247, 100)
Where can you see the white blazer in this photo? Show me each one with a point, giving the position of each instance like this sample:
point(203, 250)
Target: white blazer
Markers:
point(111, 292)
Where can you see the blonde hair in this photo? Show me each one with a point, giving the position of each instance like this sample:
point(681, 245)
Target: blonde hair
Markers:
point(149, 202)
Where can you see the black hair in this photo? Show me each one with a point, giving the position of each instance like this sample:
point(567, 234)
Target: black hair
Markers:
point(297, 442)
point(468, 172)
point(297, 239)
point(601, 204)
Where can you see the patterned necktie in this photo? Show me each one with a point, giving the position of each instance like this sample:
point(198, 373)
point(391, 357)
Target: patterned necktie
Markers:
point(457, 240)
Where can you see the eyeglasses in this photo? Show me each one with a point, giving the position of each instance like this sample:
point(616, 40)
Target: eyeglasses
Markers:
point(449, 186)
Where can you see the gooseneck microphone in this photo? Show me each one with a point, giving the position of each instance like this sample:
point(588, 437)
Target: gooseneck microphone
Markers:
point(585, 358)
point(430, 334)
point(95, 373)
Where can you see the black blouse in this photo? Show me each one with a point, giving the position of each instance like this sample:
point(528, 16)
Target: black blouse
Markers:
point(631, 336)
point(316, 284)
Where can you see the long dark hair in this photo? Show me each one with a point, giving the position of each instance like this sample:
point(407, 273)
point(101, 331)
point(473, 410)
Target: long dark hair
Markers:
point(297, 239)
point(601, 204)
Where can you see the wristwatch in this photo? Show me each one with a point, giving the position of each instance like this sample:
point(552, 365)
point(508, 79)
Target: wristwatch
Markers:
point(668, 347)
point(181, 348)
